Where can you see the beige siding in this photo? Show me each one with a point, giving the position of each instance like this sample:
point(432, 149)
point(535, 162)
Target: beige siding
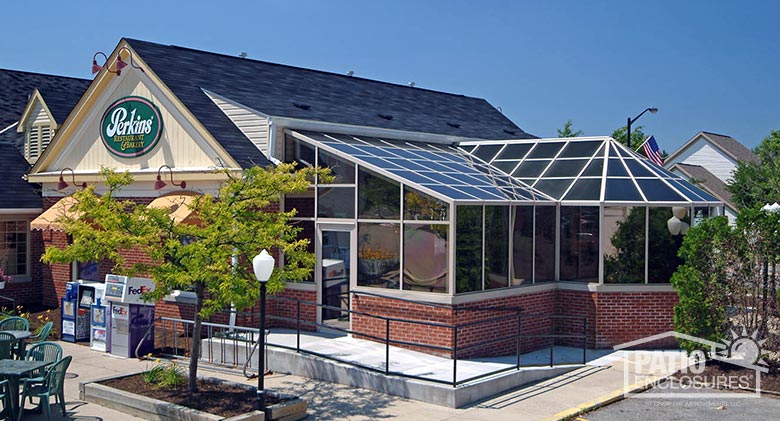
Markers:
point(253, 125)
point(702, 153)
point(180, 145)
point(39, 116)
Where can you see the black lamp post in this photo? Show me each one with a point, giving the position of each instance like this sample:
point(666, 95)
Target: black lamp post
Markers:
point(263, 265)
point(652, 110)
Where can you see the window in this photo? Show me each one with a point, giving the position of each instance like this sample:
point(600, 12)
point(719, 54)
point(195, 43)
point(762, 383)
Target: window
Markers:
point(468, 249)
point(579, 243)
point(14, 247)
point(379, 246)
point(425, 257)
point(624, 244)
point(36, 140)
point(496, 247)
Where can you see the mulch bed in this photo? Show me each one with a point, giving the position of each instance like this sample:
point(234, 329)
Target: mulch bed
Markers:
point(720, 373)
point(219, 399)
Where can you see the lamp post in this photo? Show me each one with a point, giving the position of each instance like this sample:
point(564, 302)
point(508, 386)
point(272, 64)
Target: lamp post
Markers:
point(652, 110)
point(263, 265)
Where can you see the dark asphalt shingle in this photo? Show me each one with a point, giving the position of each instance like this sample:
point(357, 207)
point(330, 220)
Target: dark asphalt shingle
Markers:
point(16, 192)
point(732, 146)
point(292, 92)
point(60, 93)
point(707, 180)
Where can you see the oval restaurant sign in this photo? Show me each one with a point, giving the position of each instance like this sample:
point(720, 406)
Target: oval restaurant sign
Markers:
point(131, 127)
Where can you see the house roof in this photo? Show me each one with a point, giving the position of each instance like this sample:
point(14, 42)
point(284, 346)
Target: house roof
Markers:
point(16, 192)
point(60, 93)
point(707, 180)
point(732, 147)
point(292, 92)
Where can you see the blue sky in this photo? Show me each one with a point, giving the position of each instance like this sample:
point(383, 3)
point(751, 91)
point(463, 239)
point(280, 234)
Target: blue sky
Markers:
point(707, 65)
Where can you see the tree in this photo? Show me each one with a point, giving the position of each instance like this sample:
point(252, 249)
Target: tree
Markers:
point(567, 131)
point(637, 135)
point(758, 183)
point(232, 226)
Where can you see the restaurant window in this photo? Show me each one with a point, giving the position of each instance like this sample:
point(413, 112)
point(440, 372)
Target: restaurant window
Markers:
point(579, 243)
point(425, 257)
point(379, 246)
point(87, 271)
point(378, 197)
point(468, 249)
point(14, 247)
point(496, 247)
point(624, 244)
point(523, 246)
point(545, 244)
point(666, 230)
point(419, 206)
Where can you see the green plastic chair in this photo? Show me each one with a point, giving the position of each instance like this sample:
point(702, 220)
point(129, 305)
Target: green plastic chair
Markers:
point(5, 396)
point(49, 352)
point(40, 336)
point(15, 323)
point(52, 385)
point(7, 345)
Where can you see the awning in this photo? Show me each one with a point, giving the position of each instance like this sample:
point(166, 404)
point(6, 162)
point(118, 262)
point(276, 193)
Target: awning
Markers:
point(49, 219)
point(178, 206)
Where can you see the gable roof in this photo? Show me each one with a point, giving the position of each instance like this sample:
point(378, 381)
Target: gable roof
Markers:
point(730, 146)
point(706, 180)
point(292, 92)
point(61, 93)
point(16, 192)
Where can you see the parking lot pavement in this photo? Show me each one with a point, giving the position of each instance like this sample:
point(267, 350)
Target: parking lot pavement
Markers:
point(725, 405)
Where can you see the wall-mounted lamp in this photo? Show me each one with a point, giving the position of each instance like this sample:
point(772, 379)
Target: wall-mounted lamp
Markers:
point(159, 184)
point(62, 185)
point(120, 63)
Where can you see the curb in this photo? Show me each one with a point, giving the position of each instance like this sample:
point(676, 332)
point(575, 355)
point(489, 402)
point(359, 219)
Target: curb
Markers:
point(605, 400)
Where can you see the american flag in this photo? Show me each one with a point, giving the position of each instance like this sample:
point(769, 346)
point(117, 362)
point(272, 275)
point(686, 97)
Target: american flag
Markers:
point(652, 151)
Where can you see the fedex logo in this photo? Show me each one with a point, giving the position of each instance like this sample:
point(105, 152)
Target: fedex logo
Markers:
point(138, 291)
point(119, 311)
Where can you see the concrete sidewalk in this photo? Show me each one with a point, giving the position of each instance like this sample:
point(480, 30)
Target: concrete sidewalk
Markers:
point(600, 380)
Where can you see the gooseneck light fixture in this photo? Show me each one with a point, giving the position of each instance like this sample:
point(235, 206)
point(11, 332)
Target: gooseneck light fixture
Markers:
point(652, 110)
point(159, 184)
point(62, 185)
point(263, 265)
point(120, 63)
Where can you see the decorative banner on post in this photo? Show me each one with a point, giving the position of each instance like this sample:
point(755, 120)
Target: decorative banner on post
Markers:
point(131, 127)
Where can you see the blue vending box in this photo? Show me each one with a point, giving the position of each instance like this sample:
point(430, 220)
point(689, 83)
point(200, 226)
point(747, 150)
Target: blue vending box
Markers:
point(69, 312)
point(98, 340)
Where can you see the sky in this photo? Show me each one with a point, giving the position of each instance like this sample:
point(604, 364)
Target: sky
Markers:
point(706, 65)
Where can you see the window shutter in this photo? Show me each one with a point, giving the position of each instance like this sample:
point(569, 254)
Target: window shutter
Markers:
point(45, 138)
point(33, 143)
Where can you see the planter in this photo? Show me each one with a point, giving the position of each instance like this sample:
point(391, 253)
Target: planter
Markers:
point(152, 409)
point(2, 284)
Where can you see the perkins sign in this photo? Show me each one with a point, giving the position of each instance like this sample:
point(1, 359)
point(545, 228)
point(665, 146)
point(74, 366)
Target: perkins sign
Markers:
point(131, 127)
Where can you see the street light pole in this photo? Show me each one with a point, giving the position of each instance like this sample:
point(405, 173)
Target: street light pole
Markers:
point(263, 265)
point(630, 120)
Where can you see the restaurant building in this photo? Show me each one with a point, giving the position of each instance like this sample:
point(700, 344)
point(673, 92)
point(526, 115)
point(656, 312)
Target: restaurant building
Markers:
point(439, 202)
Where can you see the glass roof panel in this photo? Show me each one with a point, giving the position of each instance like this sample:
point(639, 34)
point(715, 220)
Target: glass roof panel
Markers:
point(468, 148)
point(375, 151)
point(467, 179)
point(565, 168)
point(406, 163)
point(580, 149)
point(457, 167)
point(657, 191)
point(615, 168)
point(442, 178)
point(412, 176)
point(505, 166)
point(612, 152)
point(595, 168)
point(530, 169)
point(381, 163)
point(554, 187)
point(694, 192)
point(484, 194)
point(346, 149)
point(545, 150)
point(637, 169)
point(450, 192)
point(622, 189)
point(515, 151)
point(486, 152)
point(433, 166)
point(585, 189)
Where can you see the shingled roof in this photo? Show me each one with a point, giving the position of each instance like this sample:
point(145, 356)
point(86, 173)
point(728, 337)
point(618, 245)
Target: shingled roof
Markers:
point(16, 192)
point(732, 146)
point(703, 178)
point(292, 92)
point(60, 93)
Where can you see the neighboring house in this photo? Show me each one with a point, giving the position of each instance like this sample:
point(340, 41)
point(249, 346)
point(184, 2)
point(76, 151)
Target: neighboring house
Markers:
point(709, 160)
point(32, 106)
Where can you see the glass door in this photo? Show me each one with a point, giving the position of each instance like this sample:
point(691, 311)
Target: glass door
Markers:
point(335, 244)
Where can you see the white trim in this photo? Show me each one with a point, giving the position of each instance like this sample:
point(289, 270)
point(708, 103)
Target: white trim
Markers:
point(607, 288)
point(301, 286)
point(9, 127)
point(19, 211)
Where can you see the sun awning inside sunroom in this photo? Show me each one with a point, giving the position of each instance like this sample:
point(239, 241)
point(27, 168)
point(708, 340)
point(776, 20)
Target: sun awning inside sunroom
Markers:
point(588, 169)
point(178, 206)
point(49, 220)
point(440, 169)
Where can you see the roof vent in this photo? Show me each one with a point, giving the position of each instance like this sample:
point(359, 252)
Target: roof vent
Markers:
point(411, 84)
point(454, 125)
point(385, 116)
point(302, 106)
point(512, 132)
point(350, 73)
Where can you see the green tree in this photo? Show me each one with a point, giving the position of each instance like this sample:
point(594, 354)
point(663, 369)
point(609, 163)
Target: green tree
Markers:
point(231, 225)
point(637, 135)
point(758, 183)
point(567, 131)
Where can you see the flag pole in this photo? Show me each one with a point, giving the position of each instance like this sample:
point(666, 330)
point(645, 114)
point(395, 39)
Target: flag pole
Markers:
point(643, 144)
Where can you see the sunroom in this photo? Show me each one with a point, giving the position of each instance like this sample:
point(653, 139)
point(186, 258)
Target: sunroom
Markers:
point(620, 218)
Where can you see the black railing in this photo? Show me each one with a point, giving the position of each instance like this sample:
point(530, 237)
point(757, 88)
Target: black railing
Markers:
point(457, 350)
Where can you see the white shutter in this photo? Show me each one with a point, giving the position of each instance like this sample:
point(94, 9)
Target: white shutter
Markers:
point(33, 143)
point(45, 138)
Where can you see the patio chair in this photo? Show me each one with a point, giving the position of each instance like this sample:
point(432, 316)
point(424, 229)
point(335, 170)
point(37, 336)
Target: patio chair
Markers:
point(5, 396)
point(40, 336)
point(49, 352)
point(15, 323)
point(52, 385)
point(7, 345)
